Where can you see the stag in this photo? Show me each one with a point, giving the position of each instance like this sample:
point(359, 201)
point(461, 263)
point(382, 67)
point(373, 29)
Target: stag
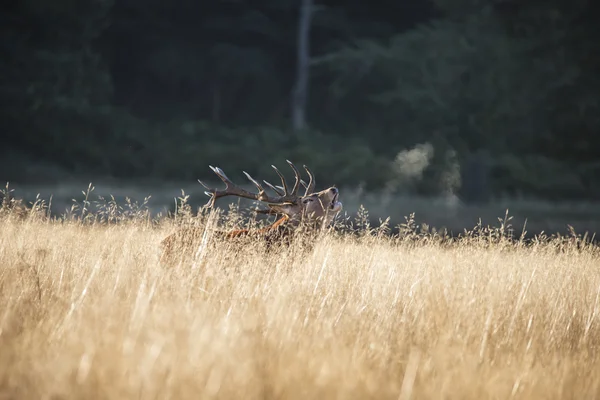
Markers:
point(312, 211)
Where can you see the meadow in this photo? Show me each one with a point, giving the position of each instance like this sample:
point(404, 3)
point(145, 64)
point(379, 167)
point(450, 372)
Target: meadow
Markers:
point(89, 311)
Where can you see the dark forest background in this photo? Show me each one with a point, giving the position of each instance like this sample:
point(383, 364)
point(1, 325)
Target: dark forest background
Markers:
point(477, 98)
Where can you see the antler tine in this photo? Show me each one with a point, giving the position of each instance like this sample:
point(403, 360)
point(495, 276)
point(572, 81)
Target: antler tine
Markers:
point(274, 188)
point(283, 193)
point(231, 189)
point(204, 184)
point(261, 190)
point(283, 182)
point(311, 182)
point(297, 183)
point(209, 192)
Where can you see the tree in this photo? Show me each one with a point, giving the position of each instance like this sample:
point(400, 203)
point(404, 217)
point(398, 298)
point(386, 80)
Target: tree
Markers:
point(300, 95)
point(467, 82)
point(51, 77)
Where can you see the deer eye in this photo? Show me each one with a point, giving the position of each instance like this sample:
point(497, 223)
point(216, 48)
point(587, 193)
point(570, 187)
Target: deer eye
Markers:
point(305, 201)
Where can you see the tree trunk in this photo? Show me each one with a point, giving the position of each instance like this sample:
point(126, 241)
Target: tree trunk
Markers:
point(300, 95)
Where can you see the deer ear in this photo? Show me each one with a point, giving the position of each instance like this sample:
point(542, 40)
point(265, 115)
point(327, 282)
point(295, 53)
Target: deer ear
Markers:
point(285, 208)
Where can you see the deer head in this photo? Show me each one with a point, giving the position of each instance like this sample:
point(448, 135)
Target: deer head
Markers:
point(313, 207)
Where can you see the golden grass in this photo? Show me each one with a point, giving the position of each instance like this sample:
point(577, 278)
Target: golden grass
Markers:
point(89, 312)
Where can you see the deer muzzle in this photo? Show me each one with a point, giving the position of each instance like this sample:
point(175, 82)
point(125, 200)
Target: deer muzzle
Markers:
point(336, 205)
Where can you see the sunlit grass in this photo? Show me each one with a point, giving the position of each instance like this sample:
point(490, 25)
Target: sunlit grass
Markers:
point(88, 311)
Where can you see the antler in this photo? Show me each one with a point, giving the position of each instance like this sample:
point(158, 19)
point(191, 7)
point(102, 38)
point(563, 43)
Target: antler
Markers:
point(311, 182)
point(283, 193)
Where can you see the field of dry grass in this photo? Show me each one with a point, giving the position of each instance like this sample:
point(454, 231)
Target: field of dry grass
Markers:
point(88, 311)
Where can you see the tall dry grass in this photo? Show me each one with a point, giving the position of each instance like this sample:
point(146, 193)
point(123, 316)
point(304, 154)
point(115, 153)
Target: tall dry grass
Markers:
point(88, 311)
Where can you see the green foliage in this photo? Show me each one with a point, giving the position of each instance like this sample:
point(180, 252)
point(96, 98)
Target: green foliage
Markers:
point(548, 178)
point(190, 151)
point(469, 83)
point(504, 93)
point(183, 150)
point(54, 84)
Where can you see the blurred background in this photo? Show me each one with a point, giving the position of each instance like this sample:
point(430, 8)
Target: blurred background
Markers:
point(452, 109)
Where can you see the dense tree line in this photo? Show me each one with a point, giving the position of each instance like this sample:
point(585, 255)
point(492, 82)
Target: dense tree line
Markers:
point(497, 96)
